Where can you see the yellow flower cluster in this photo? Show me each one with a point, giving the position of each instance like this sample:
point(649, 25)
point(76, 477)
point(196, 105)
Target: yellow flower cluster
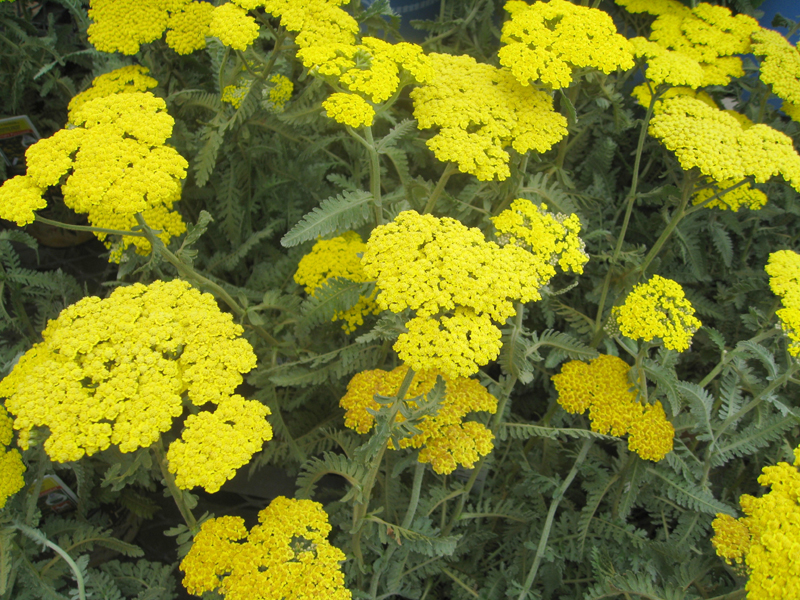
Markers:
point(708, 36)
point(445, 439)
point(133, 78)
point(280, 92)
point(235, 94)
point(642, 94)
point(338, 257)
point(666, 66)
point(780, 68)
point(233, 26)
point(349, 109)
point(546, 41)
point(602, 387)
point(783, 269)
point(480, 110)
point(554, 237)
point(286, 556)
point(766, 540)
point(719, 145)
point(438, 267)
point(115, 371)
point(214, 445)
point(744, 195)
point(124, 25)
point(116, 163)
point(658, 309)
point(11, 467)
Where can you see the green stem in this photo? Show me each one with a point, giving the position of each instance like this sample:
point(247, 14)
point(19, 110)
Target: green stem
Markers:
point(38, 536)
point(631, 199)
point(728, 356)
point(374, 175)
point(186, 271)
point(548, 524)
point(174, 490)
point(89, 228)
point(680, 212)
point(437, 191)
point(19, 307)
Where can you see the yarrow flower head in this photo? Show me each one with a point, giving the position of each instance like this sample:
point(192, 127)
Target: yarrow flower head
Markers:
point(554, 237)
point(446, 440)
point(480, 110)
point(286, 556)
point(743, 196)
point(546, 41)
point(349, 109)
point(115, 371)
point(602, 387)
point(233, 26)
point(456, 282)
point(766, 538)
point(124, 25)
point(133, 78)
point(780, 68)
point(717, 143)
point(658, 309)
point(783, 269)
point(112, 163)
point(338, 257)
point(11, 466)
point(280, 91)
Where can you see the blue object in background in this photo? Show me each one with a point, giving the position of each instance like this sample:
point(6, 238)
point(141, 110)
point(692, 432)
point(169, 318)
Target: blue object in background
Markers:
point(787, 8)
point(412, 10)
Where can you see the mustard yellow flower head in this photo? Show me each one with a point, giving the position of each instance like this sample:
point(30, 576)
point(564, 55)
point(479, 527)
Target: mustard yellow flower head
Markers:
point(654, 7)
point(280, 91)
point(743, 196)
point(554, 237)
point(602, 387)
point(115, 371)
point(349, 109)
point(233, 26)
point(546, 41)
point(783, 269)
point(792, 110)
point(731, 538)
point(666, 66)
point(133, 78)
point(188, 28)
point(11, 466)
point(642, 94)
point(214, 445)
point(720, 147)
point(445, 439)
point(338, 257)
point(235, 94)
point(481, 110)
point(123, 25)
point(658, 309)
point(780, 67)
point(112, 163)
point(286, 556)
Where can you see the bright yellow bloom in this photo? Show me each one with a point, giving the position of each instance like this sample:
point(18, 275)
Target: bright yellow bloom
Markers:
point(731, 538)
point(546, 41)
point(112, 163)
point(783, 269)
point(133, 78)
point(642, 94)
point(233, 26)
point(445, 439)
point(658, 309)
point(280, 92)
point(115, 371)
point(744, 195)
point(349, 109)
point(602, 387)
point(481, 110)
point(11, 466)
point(235, 94)
point(792, 110)
point(338, 257)
point(780, 67)
point(187, 29)
point(554, 237)
point(286, 556)
point(666, 66)
point(716, 143)
point(123, 25)
point(214, 445)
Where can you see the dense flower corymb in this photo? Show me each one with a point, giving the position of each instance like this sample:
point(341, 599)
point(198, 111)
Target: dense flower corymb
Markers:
point(115, 371)
point(349, 109)
point(602, 387)
point(658, 309)
point(338, 257)
point(546, 41)
point(780, 68)
point(481, 110)
point(445, 439)
point(133, 78)
point(11, 467)
point(783, 269)
point(286, 556)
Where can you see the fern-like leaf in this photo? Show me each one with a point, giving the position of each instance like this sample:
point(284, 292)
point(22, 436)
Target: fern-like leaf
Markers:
point(331, 464)
point(345, 211)
point(688, 494)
